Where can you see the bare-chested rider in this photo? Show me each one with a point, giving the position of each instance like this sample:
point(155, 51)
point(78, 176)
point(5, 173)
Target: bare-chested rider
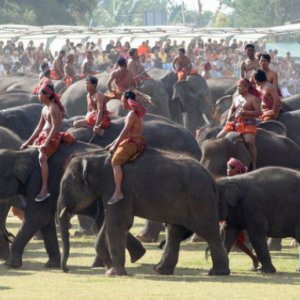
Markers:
point(137, 70)
point(130, 142)
point(47, 136)
point(241, 117)
point(97, 116)
point(182, 65)
point(270, 100)
point(250, 64)
point(57, 73)
point(122, 78)
point(272, 76)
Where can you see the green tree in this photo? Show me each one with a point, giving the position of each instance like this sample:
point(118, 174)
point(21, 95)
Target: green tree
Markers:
point(254, 13)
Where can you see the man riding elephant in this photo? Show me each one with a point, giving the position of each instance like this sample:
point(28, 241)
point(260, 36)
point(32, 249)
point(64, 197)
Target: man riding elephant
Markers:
point(97, 116)
point(122, 78)
point(182, 65)
point(241, 117)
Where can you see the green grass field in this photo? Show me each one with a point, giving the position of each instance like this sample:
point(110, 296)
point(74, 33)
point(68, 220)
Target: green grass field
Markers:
point(190, 281)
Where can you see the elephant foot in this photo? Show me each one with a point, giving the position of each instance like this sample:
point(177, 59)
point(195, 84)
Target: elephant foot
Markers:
point(268, 270)
point(53, 264)
point(221, 272)
point(98, 263)
point(115, 272)
point(163, 270)
point(14, 263)
point(146, 239)
point(136, 256)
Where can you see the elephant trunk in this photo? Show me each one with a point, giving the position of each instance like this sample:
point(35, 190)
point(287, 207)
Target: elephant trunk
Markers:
point(64, 231)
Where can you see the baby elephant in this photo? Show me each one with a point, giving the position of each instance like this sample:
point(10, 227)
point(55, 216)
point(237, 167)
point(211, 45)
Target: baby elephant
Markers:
point(265, 202)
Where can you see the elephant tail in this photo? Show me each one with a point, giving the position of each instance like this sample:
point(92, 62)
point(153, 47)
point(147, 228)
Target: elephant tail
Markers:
point(64, 230)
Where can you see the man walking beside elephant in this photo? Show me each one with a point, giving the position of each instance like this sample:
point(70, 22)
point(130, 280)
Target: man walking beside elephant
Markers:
point(241, 117)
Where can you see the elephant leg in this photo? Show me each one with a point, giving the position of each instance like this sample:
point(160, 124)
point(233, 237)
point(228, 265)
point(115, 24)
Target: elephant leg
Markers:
point(4, 245)
point(4, 248)
point(297, 238)
point(135, 248)
point(258, 240)
point(175, 234)
point(211, 234)
point(274, 244)
point(103, 257)
point(25, 233)
point(232, 237)
point(51, 244)
point(150, 232)
point(118, 222)
point(231, 234)
point(85, 226)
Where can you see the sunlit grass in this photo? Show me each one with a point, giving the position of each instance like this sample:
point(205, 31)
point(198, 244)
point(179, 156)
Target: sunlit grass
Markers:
point(190, 281)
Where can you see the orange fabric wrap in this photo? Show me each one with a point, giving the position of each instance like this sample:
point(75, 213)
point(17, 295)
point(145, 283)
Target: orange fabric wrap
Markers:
point(240, 126)
point(53, 145)
point(128, 150)
point(92, 116)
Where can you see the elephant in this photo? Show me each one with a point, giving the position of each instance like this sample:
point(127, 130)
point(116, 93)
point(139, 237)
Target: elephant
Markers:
point(8, 140)
point(264, 202)
point(222, 86)
point(25, 83)
point(16, 117)
point(290, 103)
point(272, 150)
point(291, 121)
point(184, 194)
point(74, 98)
point(13, 99)
point(194, 102)
point(158, 132)
point(20, 175)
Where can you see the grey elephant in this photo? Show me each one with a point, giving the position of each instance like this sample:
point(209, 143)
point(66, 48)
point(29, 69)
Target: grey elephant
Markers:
point(20, 175)
point(8, 140)
point(158, 132)
point(264, 202)
point(193, 98)
point(184, 194)
point(25, 83)
point(74, 98)
point(272, 150)
point(222, 86)
point(23, 119)
point(290, 103)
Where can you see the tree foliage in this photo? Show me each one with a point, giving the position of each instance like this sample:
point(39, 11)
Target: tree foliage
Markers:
point(94, 12)
point(263, 13)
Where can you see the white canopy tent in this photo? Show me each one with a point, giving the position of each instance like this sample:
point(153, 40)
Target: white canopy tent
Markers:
point(56, 35)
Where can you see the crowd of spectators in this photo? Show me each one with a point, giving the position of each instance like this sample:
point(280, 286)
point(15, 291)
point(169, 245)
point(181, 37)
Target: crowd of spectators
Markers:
point(224, 59)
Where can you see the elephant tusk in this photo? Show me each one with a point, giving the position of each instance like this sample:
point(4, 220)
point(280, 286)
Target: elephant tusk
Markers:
point(62, 212)
point(205, 119)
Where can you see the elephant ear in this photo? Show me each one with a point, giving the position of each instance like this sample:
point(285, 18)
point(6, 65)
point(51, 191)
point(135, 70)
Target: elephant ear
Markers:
point(23, 167)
